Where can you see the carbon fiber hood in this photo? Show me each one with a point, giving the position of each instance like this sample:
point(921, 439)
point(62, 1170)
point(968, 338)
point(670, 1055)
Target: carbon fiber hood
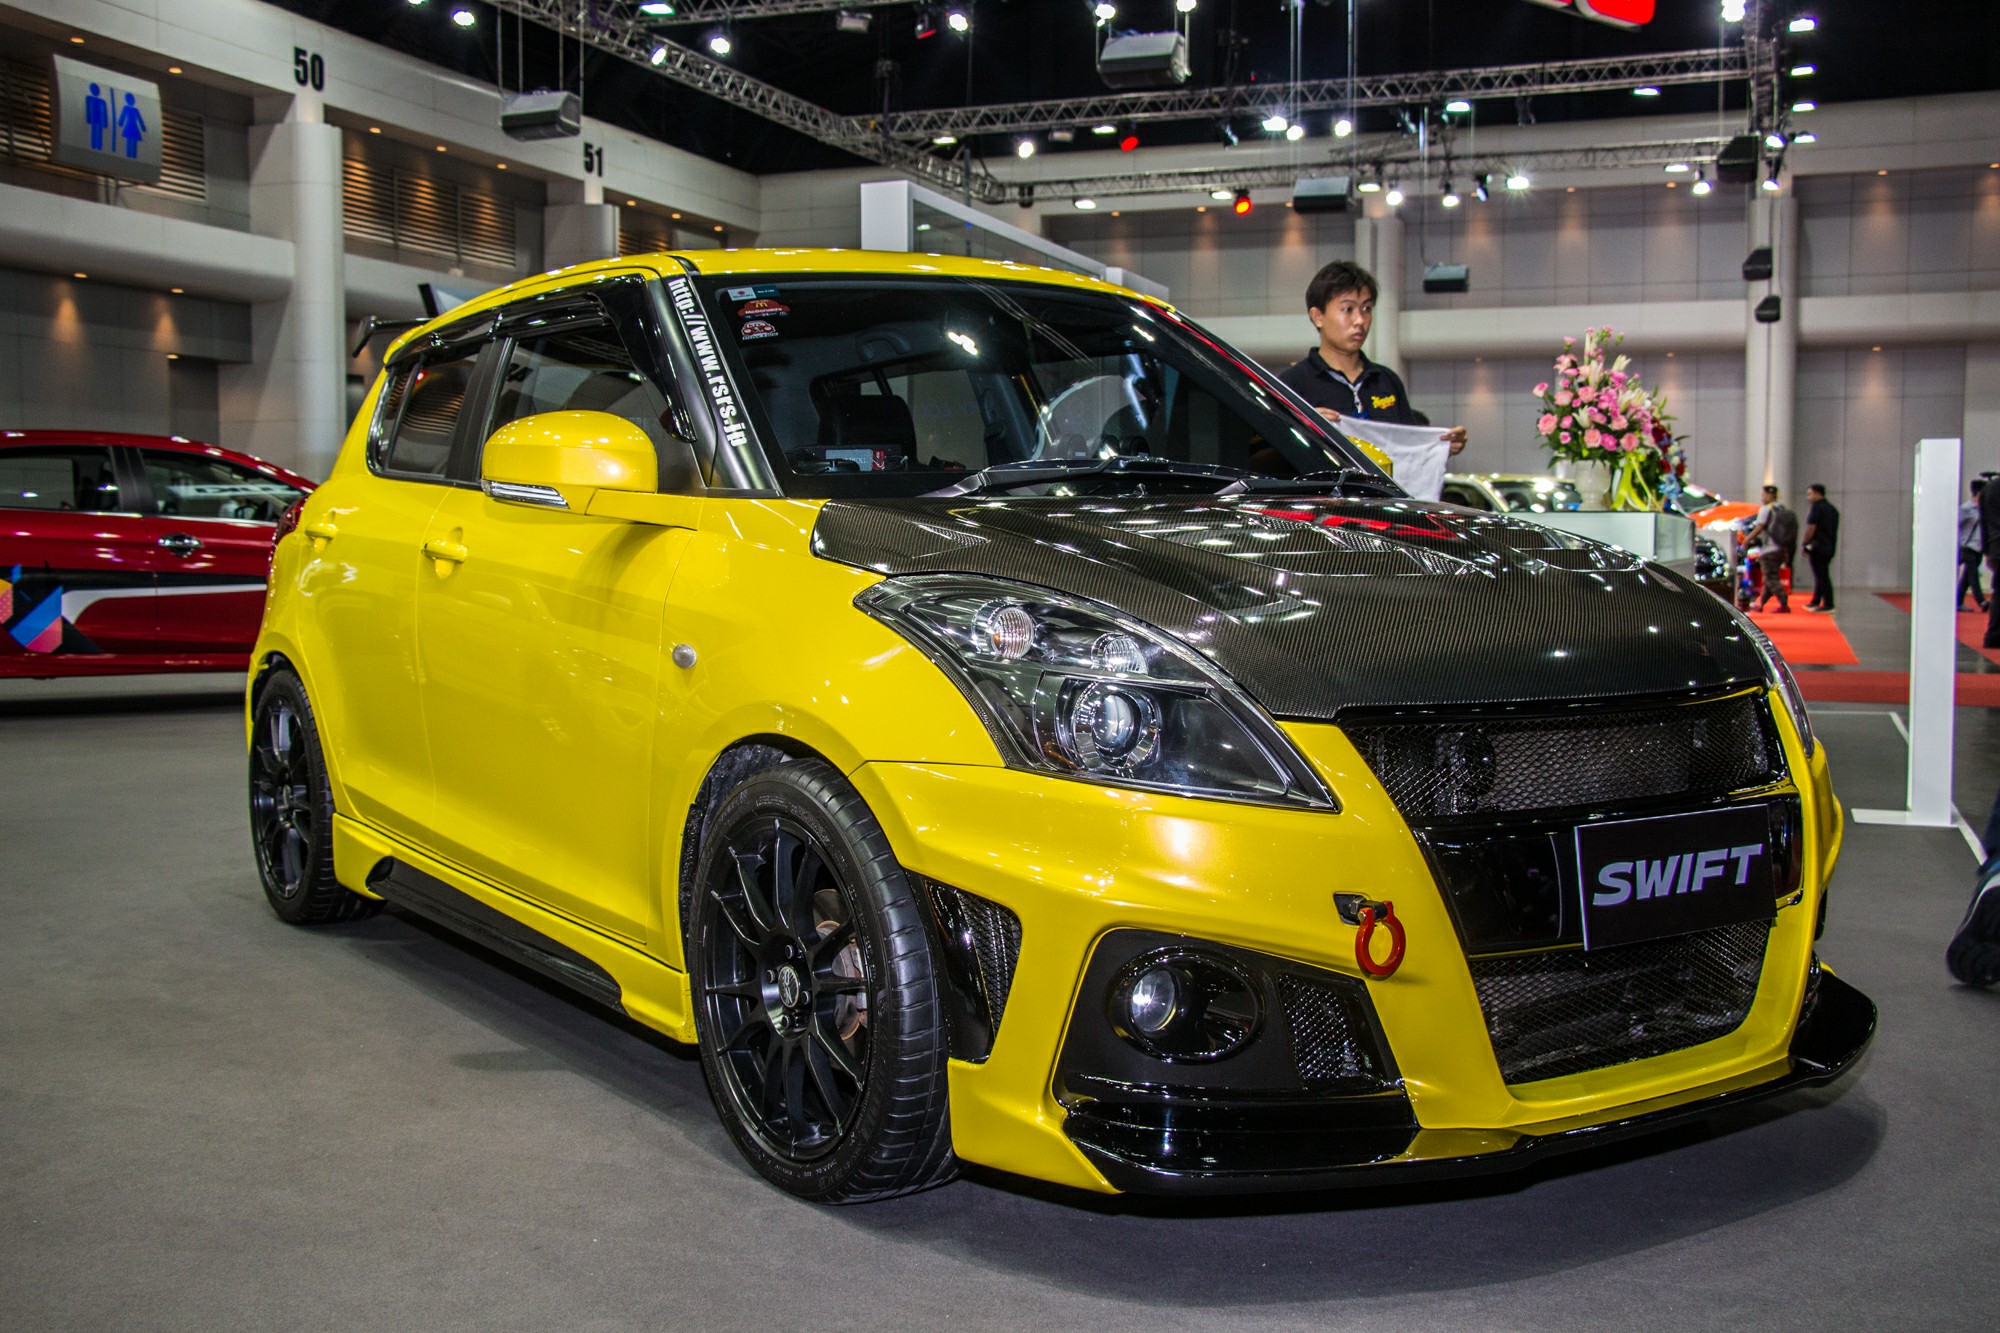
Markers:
point(1319, 605)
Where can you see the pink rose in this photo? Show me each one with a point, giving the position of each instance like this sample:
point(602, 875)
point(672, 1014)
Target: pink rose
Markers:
point(1546, 424)
point(1618, 378)
point(1569, 342)
point(1618, 421)
point(1541, 388)
point(1564, 437)
point(1564, 398)
point(1592, 438)
point(1631, 441)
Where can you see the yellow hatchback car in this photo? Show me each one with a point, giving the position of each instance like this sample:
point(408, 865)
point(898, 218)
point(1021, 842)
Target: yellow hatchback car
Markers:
point(998, 723)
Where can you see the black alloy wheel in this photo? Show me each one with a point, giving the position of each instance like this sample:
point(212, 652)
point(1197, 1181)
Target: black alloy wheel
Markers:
point(815, 1000)
point(291, 809)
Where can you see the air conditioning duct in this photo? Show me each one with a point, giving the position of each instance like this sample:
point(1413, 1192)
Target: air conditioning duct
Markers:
point(1323, 194)
point(541, 115)
point(1144, 60)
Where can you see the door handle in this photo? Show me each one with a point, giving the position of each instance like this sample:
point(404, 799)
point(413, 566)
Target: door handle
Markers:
point(180, 543)
point(322, 531)
point(438, 548)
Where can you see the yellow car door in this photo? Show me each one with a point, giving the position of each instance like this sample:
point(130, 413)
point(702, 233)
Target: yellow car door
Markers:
point(540, 646)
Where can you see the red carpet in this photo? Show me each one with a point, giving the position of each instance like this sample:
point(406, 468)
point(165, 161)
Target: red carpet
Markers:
point(1805, 638)
point(1971, 625)
point(1891, 687)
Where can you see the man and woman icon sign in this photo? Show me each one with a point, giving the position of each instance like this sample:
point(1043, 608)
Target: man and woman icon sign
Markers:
point(131, 126)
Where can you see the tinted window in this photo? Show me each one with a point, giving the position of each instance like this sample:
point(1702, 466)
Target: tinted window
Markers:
point(75, 477)
point(420, 411)
point(1464, 495)
point(201, 486)
point(1541, 496)
point(582, 369)
point(890, 386)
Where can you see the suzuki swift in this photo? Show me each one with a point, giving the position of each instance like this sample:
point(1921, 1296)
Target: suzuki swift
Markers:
point(997, 723)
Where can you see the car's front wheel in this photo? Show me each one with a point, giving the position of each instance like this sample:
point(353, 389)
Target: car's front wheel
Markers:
point(815, 999)
point(291, 809)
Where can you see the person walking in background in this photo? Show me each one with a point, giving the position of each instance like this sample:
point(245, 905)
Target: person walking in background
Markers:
point(1989, 536)
point(1971, 549)
point(1772, 540)
point(1822, 537)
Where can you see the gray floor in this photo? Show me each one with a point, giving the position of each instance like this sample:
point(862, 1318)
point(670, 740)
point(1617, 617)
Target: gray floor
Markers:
point(211, 1120)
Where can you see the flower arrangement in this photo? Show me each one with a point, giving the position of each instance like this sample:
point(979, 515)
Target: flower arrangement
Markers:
point(1595, 410)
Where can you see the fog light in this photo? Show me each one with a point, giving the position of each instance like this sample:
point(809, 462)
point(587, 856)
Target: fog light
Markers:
point(1153, 1001)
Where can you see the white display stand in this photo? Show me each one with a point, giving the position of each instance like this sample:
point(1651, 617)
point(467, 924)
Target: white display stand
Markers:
point(1664, 539)
point(1933, 641)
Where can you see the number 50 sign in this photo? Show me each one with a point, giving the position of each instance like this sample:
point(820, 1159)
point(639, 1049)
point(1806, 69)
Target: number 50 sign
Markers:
point(1618, 13)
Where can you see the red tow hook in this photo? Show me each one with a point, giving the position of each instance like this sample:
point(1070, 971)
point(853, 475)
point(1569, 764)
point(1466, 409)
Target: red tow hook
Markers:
point(1371, 917)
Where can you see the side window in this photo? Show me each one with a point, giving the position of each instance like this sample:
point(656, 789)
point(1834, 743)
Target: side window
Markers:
point(418, 418)
point(1465, 495)
point(200, 486)
point(73, 477)
point(586, 368)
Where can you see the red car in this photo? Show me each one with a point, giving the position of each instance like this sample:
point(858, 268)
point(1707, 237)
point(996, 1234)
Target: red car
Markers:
point(130, 553)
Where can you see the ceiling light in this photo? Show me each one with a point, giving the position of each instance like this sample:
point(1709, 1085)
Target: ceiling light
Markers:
point(416, 4)
point(1481, 187)
point(718, 226)
point(1450, 199)
point(1295, 132)
point(853, 20)
point(173, 356)
point(1342, 128)
point(1062, 134)
point(656, 9)
point(464, 18)
point(1701, 185)
point(441, 148)
point(1185, 6)
point(1732, 10)
point(1105, 11)
point(1104, 129)
point(499, 166)
point(1771, 185)
point(177, 291)
point(944, 140)
point(374, 129)
point(1128, 143)
point(1394, 198)
point(1677, 168)
point(79, 275)
point(1369, 187)
point(957, 20)
point(1086, 204)
point(1275, 123)
point(1227, 133)
point(659, 56)
point(1201, 208)
point(1222, 194)
point(1804, 71)
point(1242, 204)
point(1025, 148)
point(1459, 107)
point(1517, 182)
point(1800, 108)
point(173, 69)
point(719, 43)
point(1805, 136)
point(1648, 91)
point(1803, 23)
point(676, 217)
point(1774, 140)
point(76, 41)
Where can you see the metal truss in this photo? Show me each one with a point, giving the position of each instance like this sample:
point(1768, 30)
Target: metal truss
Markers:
point(729, 11)
point(631, 39)
point(1374, 90)
point(1388, 167)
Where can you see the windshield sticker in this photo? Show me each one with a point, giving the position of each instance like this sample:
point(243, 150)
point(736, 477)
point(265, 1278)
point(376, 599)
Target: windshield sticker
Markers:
point(754, 329)
point(748, 293)
point(763, 309)
point(727, 411)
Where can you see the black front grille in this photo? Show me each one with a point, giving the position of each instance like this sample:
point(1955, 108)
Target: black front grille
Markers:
point(1477, 764)
point(1330, 1039)
point(1565, 1012)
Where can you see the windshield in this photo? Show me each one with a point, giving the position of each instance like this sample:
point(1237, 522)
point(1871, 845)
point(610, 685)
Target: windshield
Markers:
point(880, 386)
point(1539, 495)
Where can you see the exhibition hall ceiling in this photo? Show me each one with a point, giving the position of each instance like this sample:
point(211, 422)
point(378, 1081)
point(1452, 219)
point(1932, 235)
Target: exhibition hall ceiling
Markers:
point(1016, 50)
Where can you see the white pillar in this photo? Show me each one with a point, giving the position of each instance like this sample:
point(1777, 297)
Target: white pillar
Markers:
point(1771, 351)
point(578, 226)
point(289, 404)
point(1378, 247)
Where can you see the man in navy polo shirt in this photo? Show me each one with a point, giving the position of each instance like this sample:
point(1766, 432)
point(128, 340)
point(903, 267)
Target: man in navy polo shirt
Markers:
point(1335, 377)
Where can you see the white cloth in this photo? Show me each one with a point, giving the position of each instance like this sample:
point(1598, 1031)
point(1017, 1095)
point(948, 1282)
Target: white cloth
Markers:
point(1420, 453)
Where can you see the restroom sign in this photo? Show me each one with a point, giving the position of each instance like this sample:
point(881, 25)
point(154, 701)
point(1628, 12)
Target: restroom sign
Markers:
point(106, 122)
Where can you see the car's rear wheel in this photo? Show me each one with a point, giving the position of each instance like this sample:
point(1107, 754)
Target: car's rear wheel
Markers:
point(815, 998)
point(291, 809)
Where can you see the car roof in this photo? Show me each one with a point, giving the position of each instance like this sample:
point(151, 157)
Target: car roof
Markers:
point(171, 443)
point(787, 259)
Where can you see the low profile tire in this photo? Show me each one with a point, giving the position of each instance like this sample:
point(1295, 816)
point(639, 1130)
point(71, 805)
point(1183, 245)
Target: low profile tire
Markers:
point(815, 998)
point(291, 810)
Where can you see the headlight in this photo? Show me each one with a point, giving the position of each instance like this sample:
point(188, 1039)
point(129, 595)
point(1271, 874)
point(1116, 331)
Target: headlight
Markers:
point(1781, 676)
point(1069, 687)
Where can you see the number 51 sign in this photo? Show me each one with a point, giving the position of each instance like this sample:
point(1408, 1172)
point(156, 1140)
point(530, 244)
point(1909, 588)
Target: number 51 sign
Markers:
point(1618, 13)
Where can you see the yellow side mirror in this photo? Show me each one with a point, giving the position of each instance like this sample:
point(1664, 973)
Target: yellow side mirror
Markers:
point(559, 460)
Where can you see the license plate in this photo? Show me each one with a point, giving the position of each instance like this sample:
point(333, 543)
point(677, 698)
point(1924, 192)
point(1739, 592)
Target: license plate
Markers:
point(1646, 879)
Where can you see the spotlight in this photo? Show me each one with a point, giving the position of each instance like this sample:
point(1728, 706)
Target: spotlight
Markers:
point(1774, 141)
point(1479, 187)
point(1085, 204)
point(1227, 133)
point(1800, 108)
point(927, 21)
point(944, 140)
point(1275, 123)
point(656, 9)
point(659, 56)
point(1394, 198)
point(463, 18)
point(1295, 132)
point(719, 43)
point(1369, 187)
point(1105, 11)
point(1733, 10)
point(853, 20)
point(1771, 185)
point(1342, 128)
point(1677, 168)
point(1458, 107)
point(1806, 137)
point(1648, 91)
point(1025, 148)
point(958, 20)
point(1062, 134)
point(1222, 194)
point(1450, 199)
point(1128, 143)
point(1185, 6)
point(1104, 129)
point(1802, 24)
point(1804, 71)
point(1701, 185)
point(1517, 182)
point(1242, 204)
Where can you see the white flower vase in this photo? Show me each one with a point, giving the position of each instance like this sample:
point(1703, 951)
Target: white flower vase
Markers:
point(1594, 481)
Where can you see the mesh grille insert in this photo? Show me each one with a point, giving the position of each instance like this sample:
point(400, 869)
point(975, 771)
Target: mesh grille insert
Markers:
point(1324, 1033)
point(1480, 765)
point(1551, 1014)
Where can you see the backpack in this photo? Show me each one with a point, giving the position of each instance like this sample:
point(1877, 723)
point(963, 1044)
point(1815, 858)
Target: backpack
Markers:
point(1782, 529)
